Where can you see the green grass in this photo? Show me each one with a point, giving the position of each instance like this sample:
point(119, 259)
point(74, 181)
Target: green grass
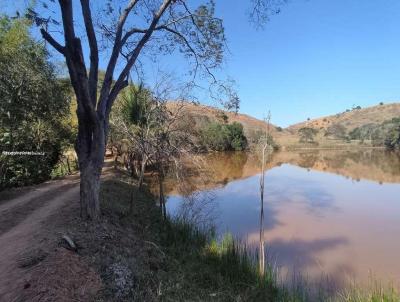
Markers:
point(209, 270)
point(61, 168)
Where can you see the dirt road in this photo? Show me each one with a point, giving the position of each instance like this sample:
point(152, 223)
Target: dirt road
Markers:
point(22, 220)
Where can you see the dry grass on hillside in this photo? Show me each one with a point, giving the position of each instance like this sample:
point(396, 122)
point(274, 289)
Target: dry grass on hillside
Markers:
point(248, 122)
point(353, 119)
point(289, 137)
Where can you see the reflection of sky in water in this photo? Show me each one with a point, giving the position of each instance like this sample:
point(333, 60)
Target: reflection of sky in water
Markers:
point(315, 219)
point(238, 201)
point(320, 193)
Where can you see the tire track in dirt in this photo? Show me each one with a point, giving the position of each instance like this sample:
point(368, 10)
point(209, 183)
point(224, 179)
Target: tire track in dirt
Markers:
point(21, 227)
point(12, 216)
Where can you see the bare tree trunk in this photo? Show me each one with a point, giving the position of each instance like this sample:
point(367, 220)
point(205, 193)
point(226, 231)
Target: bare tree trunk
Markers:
point(164, 210)
point(116, 160)
point(262, 186)
point(162, 197)
point(130, 167)
point(142, 170)
point(68, 165)
point(132, 195)
point(261, 252)
point(90, 149)
point(89, 192)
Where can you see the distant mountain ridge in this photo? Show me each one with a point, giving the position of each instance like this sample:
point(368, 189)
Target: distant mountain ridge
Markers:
point(350, 120)
point(199, 111)
point(353, 118)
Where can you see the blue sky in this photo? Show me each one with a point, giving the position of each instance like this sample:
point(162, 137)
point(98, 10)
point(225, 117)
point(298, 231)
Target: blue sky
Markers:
point(317, 57)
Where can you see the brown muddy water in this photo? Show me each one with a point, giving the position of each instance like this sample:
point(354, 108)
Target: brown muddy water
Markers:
point(328, 215)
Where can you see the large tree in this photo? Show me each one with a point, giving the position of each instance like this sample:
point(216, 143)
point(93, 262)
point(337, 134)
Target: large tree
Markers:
point(129, 29)
point(307, 134)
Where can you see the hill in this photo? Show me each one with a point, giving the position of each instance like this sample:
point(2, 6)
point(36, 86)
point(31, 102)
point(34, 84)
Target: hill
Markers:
point(202, 113)
point(353, 118)
point(289, 137)
point(369, 126)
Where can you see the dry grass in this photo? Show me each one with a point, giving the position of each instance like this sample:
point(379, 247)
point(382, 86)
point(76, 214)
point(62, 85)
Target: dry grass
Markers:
point(249, 123)
point(353, 119)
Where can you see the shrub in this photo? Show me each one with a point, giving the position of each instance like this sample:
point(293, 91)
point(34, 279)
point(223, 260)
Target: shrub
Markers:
point(223, 137)
point(222, 117)
point(237, 138)
point(337, 131)
point(307, 134)
point(384, 134)
point(392, 140)
point(34, 104)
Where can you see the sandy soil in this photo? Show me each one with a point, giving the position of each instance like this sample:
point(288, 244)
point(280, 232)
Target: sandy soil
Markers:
point(23, 220)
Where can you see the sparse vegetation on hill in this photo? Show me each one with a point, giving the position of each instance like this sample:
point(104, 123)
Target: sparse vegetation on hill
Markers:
point(202, 115)
point(307, 134)
point(354, 118)
point(334, 131)
point(379, 134)
point(366, 126)
point(392, 139)
point(337, 131)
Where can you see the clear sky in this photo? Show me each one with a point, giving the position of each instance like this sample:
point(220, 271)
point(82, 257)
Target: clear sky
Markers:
point(317, 57)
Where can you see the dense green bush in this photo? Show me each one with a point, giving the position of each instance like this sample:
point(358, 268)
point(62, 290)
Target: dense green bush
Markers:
point(363, 132)
point(392, 139)
point(34, 104)
point(223, 137)
point(380, 134)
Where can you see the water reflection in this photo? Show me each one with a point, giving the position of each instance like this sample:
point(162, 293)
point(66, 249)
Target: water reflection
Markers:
point(218, 169)
point(334, 213)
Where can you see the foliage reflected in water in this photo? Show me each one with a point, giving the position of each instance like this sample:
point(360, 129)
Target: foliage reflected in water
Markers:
point(218, 169)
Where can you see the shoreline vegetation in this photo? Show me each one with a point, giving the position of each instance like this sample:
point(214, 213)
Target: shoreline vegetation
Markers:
point(175, 260)
point(333, 147)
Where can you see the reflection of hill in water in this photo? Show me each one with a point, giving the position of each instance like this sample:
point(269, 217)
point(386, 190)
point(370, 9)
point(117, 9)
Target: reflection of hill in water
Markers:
point(218, 169)
point(375, 165)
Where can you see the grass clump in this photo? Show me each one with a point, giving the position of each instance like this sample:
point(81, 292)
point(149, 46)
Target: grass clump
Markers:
point(375, 293)
point(203, 269)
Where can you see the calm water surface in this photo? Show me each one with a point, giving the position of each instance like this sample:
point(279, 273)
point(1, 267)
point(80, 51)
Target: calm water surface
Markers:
point(326, 213)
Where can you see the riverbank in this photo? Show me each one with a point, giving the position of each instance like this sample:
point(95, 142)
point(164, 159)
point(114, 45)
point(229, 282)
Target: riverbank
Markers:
point(151, 259)
point(132, 254)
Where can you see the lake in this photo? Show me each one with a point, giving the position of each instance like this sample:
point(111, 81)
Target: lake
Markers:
point(328, 215)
